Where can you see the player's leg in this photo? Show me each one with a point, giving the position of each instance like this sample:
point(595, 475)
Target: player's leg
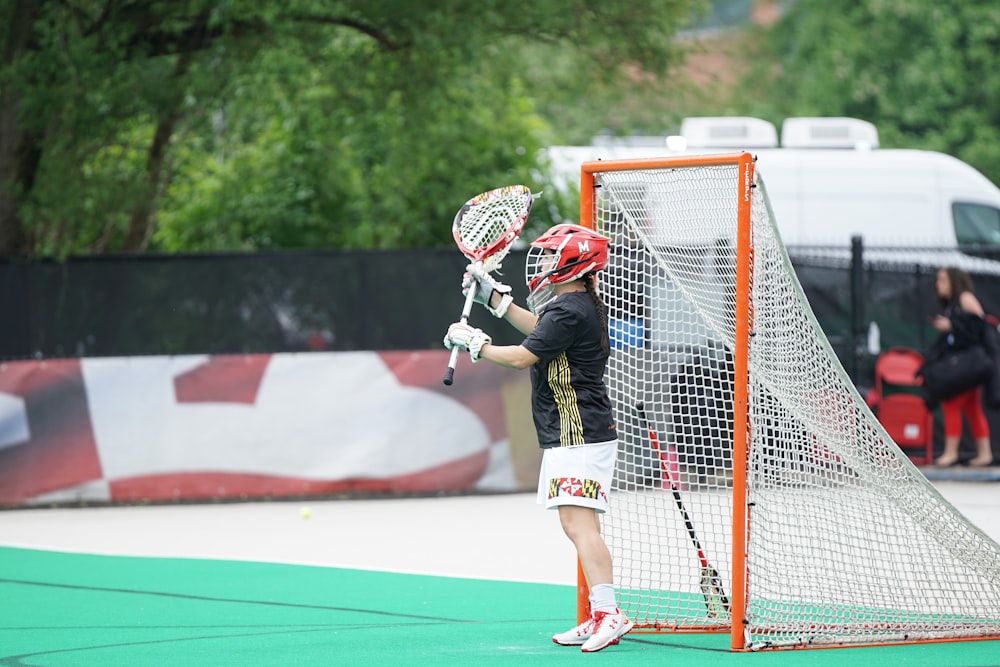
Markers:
point(606, 623)
point(582, 527)
point(579, 478)
point(553, 483)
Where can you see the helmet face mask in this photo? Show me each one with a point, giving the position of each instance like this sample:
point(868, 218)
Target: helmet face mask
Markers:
point(562, 254)
point(538, 269)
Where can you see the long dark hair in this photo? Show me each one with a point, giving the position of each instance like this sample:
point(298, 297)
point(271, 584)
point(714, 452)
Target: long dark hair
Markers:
point(590, 283)
point(960, 282)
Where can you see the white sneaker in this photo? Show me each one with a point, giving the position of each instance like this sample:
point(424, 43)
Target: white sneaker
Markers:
point(577, 635)
point(608, 629)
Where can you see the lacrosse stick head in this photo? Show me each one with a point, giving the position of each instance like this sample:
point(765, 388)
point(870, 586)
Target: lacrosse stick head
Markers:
point(564, 253)
point(487, 225)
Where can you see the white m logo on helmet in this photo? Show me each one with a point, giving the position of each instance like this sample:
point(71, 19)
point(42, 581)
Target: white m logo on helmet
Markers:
point(582, 246)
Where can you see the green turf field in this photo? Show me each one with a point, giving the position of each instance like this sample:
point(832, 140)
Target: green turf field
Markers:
point(72, 609)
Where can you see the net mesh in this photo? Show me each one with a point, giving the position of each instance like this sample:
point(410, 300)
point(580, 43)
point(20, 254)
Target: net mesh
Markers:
point(487, 225)
point(847, 542)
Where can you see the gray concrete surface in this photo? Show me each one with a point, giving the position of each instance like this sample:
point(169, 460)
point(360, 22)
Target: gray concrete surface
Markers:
point(507, 537)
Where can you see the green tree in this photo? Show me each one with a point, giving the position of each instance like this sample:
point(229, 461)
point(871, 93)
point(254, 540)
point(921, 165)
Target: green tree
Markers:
point(293, 177)
point(129, 126)
point(924, 72)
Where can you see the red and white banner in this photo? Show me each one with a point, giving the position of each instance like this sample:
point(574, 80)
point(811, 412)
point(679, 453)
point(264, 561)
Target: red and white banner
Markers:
point(247, 426)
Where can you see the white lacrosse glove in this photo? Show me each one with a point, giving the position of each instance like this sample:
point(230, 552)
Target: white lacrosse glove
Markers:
point(487, 286)
point(466, 337)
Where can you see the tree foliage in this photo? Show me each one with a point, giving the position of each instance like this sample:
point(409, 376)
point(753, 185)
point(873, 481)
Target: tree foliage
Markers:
point(133, 126)
point(924, 72)
point(235, 124)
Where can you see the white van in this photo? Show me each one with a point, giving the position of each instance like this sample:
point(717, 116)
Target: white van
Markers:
point(889, 197)
point(829, 182)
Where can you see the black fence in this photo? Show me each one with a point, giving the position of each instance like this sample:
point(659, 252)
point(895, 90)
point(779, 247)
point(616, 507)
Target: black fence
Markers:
point(231, 303)
point(388, 300)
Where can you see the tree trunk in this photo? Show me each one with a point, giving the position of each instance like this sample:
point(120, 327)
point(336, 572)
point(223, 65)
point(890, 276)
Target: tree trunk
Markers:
point(142, 222)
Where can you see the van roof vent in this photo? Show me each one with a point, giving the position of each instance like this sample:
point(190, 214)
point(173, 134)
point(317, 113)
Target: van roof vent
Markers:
point(728, 132)
point(828, 133)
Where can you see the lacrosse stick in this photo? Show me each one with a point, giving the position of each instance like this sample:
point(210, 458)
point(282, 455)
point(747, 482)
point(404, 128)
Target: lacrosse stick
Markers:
point(710, 580)
point(485, 229)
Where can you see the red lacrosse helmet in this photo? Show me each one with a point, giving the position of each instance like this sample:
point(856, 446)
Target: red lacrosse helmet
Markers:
point(565, 252)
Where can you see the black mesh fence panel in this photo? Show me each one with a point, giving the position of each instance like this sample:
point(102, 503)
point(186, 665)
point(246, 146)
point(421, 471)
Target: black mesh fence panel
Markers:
point(237, 303)
point(364, 300)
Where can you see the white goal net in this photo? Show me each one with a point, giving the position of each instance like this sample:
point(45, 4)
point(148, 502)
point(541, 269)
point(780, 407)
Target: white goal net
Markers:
point(844, 541)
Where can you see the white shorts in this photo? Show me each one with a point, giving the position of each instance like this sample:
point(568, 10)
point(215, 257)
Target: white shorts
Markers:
point(577, 475)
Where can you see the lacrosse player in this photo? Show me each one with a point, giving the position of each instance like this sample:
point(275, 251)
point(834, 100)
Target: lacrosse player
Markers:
point(567, 348)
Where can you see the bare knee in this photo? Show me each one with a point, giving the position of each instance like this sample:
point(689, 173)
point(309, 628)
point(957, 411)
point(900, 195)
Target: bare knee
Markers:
point(578, 522)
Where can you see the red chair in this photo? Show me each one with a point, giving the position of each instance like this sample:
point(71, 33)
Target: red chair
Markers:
point(899, 406)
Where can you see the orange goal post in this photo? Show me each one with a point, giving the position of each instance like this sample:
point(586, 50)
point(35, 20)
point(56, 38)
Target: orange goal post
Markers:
point(755, 493)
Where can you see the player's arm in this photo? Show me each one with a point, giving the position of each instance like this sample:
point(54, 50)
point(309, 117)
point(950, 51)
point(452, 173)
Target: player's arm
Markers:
point(520, 318)
point(480, 346)
point(497, 298)
point(511, 356)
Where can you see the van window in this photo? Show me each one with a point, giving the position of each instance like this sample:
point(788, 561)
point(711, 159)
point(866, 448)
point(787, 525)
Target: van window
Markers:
point(976, 224)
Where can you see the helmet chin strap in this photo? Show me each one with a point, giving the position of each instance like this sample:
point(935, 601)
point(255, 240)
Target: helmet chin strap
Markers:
point(563, 268)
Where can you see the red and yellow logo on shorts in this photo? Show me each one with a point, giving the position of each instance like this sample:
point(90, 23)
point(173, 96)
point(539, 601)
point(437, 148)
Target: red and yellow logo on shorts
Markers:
point(574, 486)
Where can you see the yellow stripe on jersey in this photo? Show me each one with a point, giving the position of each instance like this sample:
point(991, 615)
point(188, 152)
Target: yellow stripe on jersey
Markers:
point(570, 424)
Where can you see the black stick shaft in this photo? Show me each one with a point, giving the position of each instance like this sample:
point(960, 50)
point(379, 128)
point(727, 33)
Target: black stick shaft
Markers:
point(470, 298)
point(688, 523)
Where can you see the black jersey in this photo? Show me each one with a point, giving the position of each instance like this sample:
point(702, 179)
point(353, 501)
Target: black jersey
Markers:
point(569, 400)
